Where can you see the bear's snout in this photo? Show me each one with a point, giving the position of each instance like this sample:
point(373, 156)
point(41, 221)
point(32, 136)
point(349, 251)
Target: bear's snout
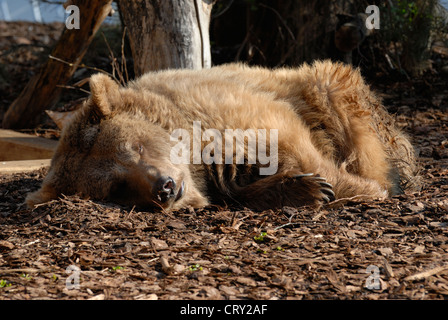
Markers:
point(166, 189)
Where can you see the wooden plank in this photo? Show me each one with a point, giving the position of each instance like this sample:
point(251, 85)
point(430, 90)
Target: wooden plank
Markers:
point(19, 146)
point(23, 165)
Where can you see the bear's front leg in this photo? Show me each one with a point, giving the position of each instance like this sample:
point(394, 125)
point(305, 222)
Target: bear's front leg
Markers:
point(291, 188)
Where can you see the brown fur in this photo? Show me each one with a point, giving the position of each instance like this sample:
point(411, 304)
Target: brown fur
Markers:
point(328, 120)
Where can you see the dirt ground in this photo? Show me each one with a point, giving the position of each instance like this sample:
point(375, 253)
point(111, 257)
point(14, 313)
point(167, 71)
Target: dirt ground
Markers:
point(371, 250)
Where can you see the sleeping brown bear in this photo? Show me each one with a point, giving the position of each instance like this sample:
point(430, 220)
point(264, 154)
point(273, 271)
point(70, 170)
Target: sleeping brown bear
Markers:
point(231, 134)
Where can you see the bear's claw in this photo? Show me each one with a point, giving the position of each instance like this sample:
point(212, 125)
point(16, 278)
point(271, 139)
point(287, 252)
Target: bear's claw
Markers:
point(326, 188)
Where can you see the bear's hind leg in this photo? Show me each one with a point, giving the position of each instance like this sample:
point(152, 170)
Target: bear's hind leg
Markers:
point(291, 188)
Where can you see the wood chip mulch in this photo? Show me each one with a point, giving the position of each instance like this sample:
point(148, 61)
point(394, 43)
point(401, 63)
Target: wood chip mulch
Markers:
point(391, 249)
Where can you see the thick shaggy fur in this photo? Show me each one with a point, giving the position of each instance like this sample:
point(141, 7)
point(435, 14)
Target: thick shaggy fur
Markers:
point(330, 126)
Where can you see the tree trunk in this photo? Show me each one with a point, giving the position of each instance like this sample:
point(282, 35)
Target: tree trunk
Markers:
point(168, 34)
point(42, 91)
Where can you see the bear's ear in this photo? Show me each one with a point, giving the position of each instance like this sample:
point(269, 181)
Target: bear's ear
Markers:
point(61, 118)
point(44, 194)
point(104, 95)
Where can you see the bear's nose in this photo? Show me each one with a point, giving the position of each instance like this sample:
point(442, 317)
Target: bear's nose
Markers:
point(165, 188)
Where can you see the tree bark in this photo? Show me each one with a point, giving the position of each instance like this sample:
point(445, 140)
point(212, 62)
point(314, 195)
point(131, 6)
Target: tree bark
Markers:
point(42, 91)
point(168, 34)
